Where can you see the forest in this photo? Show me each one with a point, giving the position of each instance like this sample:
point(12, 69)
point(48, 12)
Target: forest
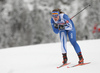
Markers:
point(27, 22)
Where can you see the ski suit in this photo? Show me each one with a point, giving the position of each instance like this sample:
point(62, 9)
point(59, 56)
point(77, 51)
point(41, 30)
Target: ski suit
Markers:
point(69, 30)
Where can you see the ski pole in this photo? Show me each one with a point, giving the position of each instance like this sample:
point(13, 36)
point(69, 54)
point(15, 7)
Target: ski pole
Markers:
point(80, 11)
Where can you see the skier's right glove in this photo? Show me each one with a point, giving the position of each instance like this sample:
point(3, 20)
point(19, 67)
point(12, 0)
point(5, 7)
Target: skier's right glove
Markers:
point(56, 26)
point(61, 27)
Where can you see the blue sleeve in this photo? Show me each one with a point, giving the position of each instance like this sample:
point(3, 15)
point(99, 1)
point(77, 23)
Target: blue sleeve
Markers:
point(54, 29)
point(68, 22)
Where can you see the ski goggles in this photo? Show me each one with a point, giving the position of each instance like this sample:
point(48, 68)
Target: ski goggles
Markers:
point(55, 14)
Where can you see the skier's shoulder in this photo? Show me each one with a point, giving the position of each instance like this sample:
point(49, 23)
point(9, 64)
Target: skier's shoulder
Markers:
point(63, 15)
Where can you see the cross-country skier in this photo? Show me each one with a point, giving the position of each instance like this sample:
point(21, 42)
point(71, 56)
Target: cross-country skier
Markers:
point(96, 28)
point(63, 25)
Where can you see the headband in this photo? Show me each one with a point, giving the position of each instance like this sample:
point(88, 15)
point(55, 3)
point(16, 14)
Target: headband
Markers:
point(55, 13)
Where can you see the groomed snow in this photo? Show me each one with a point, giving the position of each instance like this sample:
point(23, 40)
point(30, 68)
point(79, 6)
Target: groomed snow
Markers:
point(45, 58)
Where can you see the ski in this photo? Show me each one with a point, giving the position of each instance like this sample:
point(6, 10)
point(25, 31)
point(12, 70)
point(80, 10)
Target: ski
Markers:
point(63, 65)
point(79, 65)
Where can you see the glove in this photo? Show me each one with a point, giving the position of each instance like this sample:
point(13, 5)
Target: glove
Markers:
point(61, 27)
point(56, 26)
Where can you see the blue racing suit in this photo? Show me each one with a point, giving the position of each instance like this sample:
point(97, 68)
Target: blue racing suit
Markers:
point(69, 30)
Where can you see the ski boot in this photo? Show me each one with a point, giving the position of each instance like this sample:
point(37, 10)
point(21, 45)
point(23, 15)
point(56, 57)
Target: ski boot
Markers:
point(81, 60)
point(64, 58)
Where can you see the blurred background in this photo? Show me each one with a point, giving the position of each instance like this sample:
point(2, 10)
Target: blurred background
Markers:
point(27, 22)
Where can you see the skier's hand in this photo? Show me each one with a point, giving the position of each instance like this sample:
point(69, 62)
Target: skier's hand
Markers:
point(56, 26)
point(61, 27)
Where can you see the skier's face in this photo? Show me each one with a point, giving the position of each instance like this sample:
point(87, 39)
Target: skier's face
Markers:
point(56, 18)
point(55, 15)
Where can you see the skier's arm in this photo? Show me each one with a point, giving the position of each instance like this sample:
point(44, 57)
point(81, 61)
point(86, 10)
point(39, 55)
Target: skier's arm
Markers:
point(68, 25)
point(54, 29)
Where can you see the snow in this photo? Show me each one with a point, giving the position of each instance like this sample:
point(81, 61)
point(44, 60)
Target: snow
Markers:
point(45, 58)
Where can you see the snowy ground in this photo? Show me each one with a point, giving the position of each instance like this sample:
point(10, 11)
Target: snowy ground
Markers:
point(45, 58)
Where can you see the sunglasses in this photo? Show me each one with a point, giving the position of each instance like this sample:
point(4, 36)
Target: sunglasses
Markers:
point(55, 15)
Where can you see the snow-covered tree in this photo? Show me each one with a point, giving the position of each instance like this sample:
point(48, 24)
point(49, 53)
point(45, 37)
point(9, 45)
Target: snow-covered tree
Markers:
point(26, 22)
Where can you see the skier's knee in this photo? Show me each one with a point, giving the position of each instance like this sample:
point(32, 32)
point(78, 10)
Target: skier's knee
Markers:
point(73, 43)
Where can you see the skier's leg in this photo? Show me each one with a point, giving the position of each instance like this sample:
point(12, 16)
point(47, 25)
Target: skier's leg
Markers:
point(63, 39)
point(72, 38)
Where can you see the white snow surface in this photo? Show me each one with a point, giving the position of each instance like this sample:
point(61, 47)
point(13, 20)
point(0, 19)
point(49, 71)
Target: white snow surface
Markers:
point(45, 58)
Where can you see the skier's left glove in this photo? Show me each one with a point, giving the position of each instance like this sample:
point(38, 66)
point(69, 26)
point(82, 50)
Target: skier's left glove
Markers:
point(61, 27)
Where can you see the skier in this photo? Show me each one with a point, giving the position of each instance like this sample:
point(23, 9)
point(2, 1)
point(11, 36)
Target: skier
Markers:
point(96, 28)
point(63, 25)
